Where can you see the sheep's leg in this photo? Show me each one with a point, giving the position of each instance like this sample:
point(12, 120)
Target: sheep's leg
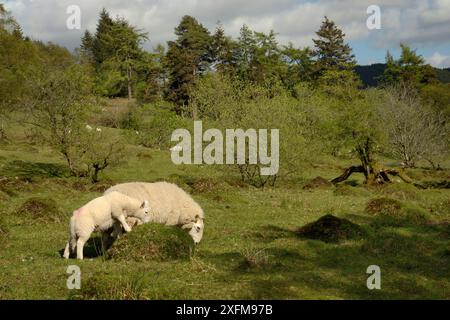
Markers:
point(117, 230)
point(80, 245)
point(105, 240)
point(67, 250)
point(124, 223)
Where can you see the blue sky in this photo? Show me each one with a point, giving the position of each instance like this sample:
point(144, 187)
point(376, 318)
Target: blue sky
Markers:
point(422, 24)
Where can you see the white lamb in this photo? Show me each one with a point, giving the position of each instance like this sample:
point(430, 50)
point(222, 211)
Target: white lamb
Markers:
point(170, 204)
point(101, 214)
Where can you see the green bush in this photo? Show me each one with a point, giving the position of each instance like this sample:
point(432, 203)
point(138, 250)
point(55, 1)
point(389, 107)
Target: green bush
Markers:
point(152, 126)
point(150, 242)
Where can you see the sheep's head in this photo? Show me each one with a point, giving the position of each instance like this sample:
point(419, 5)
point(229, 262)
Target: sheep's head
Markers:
point(195, 229)
point(143, 213)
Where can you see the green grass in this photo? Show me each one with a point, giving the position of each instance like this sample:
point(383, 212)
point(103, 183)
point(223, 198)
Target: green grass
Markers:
point(249, 250)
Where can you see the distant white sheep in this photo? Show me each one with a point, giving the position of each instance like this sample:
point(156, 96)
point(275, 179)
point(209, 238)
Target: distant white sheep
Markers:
point(170, 205)
point(101, 214)
point(88, 127)
point(98, 130)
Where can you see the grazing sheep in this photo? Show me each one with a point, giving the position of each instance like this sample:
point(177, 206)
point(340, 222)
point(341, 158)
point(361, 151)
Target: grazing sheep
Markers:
point(170, 204)
point(88, 127)
point(101, 214)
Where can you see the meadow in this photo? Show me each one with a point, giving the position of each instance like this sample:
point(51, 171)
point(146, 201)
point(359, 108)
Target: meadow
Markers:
point(251, 248)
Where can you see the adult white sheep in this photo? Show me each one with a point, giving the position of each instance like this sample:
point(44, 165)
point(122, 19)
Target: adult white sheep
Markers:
point(101, 214)
point(170, 204)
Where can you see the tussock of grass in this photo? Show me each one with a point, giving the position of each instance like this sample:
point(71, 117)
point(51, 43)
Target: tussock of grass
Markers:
point(40, 210)
point(384, 206)
point(331, 229)
point(346, 190)
point(254, 257)
point(400, 191)
point(316, 183)
point(103, 287)
point(396, 213)
point(152, 242)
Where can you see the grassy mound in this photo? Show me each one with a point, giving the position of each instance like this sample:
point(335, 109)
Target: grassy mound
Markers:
point(152, 241)
point(317, 182)
point(102, 286)
point(40, 209)
point(346, 190)
point(384, 206)
point(331, 229)
point(392, 211)
point(400, 191)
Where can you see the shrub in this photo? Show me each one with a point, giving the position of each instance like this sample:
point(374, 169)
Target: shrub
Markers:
point(152, 242)
point(254, 257)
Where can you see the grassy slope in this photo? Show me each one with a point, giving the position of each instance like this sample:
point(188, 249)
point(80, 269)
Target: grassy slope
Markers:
point(243, 225)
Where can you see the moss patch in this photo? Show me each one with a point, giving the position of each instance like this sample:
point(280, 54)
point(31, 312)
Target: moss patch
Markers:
point(331, 229)
point(150, 241)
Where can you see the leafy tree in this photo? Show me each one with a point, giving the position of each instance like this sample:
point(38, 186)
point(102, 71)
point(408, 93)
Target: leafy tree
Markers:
point(409, 68)
point(299, 65)
point(188, 57)
point(151, 76)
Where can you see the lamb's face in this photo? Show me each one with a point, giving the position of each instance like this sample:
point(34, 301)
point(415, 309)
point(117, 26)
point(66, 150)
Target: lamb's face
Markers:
point(143, 213)
point(196, 231)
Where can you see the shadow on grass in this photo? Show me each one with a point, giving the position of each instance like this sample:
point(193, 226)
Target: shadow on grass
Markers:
point(26, 169)
point(413, 260)
point(92, 249)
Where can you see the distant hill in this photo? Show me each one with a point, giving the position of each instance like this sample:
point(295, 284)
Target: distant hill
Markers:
point(370, 74)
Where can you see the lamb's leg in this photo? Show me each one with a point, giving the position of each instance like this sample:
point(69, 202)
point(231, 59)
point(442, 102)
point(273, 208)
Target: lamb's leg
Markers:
point(80, 245)
point(117, 230)
point(67, 250)
point(124, 223)
point(105, 240)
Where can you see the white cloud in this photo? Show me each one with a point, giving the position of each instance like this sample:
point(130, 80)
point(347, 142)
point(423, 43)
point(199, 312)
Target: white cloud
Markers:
point(439, 61)
point(415, 22)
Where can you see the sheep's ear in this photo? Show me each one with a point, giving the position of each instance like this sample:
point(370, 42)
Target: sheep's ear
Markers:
point(143, 204)
point(146, 203)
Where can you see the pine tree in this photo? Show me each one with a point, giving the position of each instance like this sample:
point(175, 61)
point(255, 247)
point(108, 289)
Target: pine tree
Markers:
point(125, 41)
point(331, 52)
point(188, 57)
point(222, 48)
point(87, 46)
point(334, 62)
point(101, 50)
